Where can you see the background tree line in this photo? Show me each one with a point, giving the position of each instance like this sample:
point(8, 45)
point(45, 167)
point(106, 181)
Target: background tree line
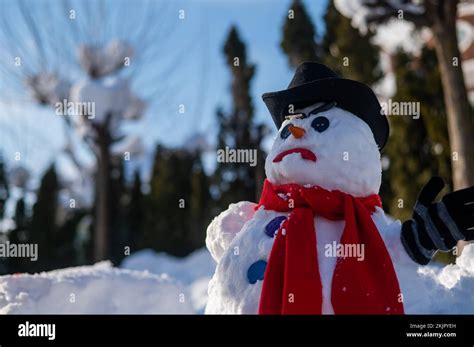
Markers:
point(170, 211)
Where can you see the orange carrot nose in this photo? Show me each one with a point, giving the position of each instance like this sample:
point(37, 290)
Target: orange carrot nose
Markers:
point(297, 132)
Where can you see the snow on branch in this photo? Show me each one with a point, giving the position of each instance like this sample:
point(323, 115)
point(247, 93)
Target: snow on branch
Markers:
point(110, 96)
point(367, 12)
point(48, 88)
point(396, 23)
point(99, 61)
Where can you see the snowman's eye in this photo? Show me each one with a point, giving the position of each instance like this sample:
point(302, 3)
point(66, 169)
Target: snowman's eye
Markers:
point(320, 124)
point(285, 132)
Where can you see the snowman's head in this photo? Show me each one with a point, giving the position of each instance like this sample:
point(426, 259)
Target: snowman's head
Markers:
point(323, 145)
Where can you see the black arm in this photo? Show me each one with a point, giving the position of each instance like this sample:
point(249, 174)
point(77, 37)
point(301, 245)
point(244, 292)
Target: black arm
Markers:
point(438, 226)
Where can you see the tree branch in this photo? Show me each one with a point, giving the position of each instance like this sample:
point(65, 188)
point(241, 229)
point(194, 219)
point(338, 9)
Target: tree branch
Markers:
point(384, 10)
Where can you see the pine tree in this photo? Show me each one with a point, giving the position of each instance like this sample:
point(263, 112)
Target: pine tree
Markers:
point(237, 130)
point(136, 214)
point(199, 203)
point(52, 227)
point(4, 195)
point(21, 218)
point(177, 203)
point(4, 190)
point(119, 233)
point(299, 34)
point(44, 231)
point(66, 249)
point(418, 148)
point(18, 235)
point(347, 51)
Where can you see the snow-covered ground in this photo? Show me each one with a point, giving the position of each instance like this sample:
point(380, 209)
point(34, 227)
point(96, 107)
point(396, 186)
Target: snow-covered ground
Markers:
point(150, 282)
point(100, 288)
point(192, 272)
point(449, 287)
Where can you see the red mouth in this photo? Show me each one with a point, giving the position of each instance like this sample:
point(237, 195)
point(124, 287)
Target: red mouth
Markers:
point(305, 154)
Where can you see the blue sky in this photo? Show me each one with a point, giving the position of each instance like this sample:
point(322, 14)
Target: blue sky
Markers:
point(201, 79)
point(260, 25)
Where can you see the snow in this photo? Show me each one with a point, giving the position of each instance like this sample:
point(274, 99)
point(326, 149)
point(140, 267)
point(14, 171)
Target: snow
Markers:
point(149, 282)
point(431, 289)
point(399, 34)
point(229, 289)
point(223, 228)
point(390, 36)
point(356, 10)
point(188, 270)
point(110, 96)
point(386, 87)
point(101, 288)
point(449, 288)
point(104, 60)
point(451, 276)
point(92, 289)
point(360, 12)
point(347, 159)
point(236, 238)
point(48, 87)
point(465, 9)
point(192, 272)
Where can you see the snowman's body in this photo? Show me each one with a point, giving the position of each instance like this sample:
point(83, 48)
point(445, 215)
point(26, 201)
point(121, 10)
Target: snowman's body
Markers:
point(347, 159)
point(230, 290)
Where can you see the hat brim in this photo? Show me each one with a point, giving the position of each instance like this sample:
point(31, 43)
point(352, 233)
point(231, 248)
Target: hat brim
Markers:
point(352, 96)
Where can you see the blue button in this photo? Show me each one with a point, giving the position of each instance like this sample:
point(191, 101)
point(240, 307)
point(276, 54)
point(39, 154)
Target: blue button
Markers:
point(274, 225)
point(256, 271)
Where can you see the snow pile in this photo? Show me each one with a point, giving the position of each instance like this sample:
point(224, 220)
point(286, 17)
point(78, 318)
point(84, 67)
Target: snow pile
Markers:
point(192, 272)
point(449, 289)
point(431, 289)
point(173, 285)
point(187, 270)
point(450, 276)
point(94, 290)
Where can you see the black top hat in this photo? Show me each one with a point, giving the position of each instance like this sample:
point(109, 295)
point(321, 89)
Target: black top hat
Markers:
point(315, 82)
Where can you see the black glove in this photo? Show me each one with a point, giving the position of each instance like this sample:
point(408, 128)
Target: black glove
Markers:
point(438, 226)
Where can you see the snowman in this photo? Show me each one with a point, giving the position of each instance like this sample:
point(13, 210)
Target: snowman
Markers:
point(318, 241)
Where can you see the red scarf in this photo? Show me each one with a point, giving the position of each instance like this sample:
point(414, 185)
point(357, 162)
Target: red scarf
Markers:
point(292, 284)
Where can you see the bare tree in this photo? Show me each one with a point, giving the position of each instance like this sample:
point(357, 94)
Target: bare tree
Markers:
point(66, 50)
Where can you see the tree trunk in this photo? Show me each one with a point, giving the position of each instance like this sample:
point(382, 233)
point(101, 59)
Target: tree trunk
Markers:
point(102, 214)
point(459, 114)
point(460, 122)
